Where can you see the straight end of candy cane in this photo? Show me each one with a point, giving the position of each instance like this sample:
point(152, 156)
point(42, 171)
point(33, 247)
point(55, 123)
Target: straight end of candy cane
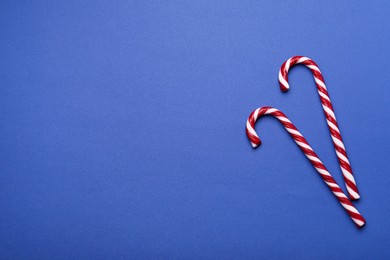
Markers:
point(361, 224)
point(283, 88)
point(283, 83)
point(357, 218)
point(255, 145)
point(355, 197)
point(353, 194)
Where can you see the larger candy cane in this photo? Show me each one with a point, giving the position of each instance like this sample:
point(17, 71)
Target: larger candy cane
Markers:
point(310, 154)
point(329, 114)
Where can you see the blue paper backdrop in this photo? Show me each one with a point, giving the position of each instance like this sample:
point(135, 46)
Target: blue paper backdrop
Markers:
point(123, 129)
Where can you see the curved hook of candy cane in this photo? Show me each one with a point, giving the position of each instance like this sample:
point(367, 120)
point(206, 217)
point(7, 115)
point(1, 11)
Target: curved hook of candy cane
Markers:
point(356, 217)
point(340, 150)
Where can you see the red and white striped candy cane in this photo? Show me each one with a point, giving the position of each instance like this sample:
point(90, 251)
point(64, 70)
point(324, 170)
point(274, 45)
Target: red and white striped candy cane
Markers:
point(329, 114)
point(310, 154)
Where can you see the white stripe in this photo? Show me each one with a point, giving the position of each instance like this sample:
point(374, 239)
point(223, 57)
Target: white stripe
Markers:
point(330, 184)
point(353, 209)
point(330, 112)
point(348, 175)
point(323, 172)
point(271, 110)
point(338, 142)
point(340, 194)
point(353, 193)
point(287, 67)
point(304, 145)
point(292, 131)
point(333, 126)
point(303, 59)
point(319, 82)
point(342, 157)
point(314, 68)
point(324, 96)
point(256, 114)
point(284, 119)
point(358, 222)
point(313, 158)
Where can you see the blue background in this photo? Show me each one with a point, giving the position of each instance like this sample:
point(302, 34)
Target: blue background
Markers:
point(123, 129)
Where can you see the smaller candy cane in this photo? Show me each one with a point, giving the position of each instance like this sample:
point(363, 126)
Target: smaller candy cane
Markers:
point(310, 154)
point(341, 153)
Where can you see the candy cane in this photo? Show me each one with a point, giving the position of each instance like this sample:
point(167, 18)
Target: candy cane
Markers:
point(310, 154)
point(329, 114)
